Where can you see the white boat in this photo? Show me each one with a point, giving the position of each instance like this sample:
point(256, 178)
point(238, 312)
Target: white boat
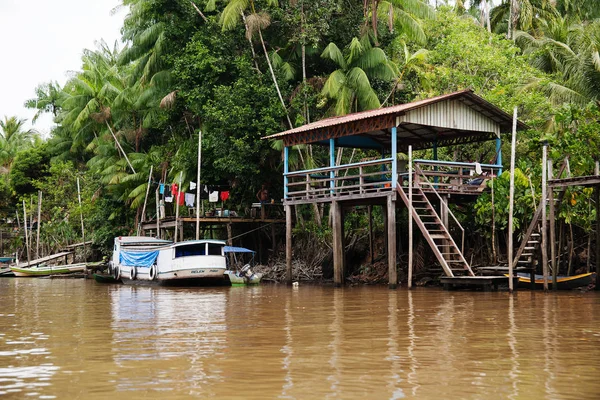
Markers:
point(142, 260)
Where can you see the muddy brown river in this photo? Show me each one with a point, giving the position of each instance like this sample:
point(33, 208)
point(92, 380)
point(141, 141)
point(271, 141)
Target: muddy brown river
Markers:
point(78, 339)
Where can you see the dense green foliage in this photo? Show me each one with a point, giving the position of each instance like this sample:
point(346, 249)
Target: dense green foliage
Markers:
point(239, 70)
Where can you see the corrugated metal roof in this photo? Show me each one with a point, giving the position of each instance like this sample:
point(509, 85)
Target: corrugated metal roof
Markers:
point(470, 99)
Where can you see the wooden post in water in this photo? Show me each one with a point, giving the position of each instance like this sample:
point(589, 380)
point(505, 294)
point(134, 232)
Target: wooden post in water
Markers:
point(288, 244)
point(597, 195)
point(229, 243)
point(511, 202)
point(370, 214)
point(391, 233)
point(338, 244)
point(552, 219)
point(39, 224)
point(410, 217)
point(198, 201)
point(143, 218)
point(544, 218)
point(26, 235)
point(177, 208)
point(81, 217)
point(157, 213)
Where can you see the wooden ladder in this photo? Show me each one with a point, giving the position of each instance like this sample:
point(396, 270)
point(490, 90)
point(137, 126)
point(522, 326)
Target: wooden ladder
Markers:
point(437, 235)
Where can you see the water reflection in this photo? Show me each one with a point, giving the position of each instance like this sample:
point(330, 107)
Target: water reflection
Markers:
point(67, 338)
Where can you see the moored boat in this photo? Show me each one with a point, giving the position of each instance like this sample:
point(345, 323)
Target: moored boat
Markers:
point(5, 271)
point(188, 263)
point(562, 282)
point(47, 270)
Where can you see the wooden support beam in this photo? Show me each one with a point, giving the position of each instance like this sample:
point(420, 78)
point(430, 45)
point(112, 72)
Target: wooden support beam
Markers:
point(544, 219)
point(391, 233)
point(229, 243)
point(370, 214)
point(288, 244)
point(597, 199)
point(338, 244)
point(410, 217)
point(552, 228)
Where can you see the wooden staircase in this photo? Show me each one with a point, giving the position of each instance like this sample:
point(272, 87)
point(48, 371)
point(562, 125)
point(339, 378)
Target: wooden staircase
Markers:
point(437, 235)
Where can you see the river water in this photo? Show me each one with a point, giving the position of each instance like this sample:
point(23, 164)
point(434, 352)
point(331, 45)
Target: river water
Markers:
point(70, 339)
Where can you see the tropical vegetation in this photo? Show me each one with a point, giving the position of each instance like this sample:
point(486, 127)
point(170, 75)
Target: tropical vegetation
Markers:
point(238, 70)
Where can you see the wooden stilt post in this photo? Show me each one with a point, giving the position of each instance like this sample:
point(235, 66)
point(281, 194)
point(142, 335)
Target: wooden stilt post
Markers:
point(370, 213)
point(338, 245)
point(410, 218)
point(81, 216)
point(391, 233)
point(26, 234)
point(597, 195)
point(229, 243)
point(544, 218)
point(143, 219)
point(288, 244)
point(198, 201)
point(176, 198)
point(157, 214)
point(39, 224)
point(511, 202)
point(552, 221)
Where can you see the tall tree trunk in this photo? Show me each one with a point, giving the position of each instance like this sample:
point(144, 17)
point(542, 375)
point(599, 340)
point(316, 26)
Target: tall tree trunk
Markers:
point(251, 45)
point(262, 42)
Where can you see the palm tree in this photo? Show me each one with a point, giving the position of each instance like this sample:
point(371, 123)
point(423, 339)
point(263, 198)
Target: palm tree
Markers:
point(47, 100)
point(350, 85)
point(569, 51)
point(524, 15)
point(14, 138)
point(255, 23)
point(400, 15)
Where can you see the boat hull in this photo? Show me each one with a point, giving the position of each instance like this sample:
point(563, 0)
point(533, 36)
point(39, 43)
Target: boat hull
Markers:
point(563, 282)
point(199, 276)
point(47, 271)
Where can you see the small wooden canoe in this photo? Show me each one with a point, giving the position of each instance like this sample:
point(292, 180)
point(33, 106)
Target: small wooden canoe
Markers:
point(47, 270)
point(563, 282)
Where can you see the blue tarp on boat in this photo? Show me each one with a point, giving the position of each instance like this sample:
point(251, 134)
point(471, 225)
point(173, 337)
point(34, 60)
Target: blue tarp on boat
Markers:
point(138, 258)
point(232, 249)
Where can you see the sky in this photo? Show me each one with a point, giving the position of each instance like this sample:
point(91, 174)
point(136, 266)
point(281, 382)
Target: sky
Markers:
point(42, 40)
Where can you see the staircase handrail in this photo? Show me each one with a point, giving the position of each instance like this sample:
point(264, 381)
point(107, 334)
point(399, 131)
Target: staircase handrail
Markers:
point(419, 171)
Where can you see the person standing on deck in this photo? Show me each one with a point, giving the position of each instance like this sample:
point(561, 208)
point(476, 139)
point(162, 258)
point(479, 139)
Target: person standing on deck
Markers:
point(263, 195)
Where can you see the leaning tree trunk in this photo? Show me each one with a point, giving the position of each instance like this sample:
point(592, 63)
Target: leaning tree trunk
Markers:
point(262, 42)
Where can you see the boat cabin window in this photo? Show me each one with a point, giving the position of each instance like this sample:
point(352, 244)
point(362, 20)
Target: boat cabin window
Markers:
point(198, 249)
point(215, 249)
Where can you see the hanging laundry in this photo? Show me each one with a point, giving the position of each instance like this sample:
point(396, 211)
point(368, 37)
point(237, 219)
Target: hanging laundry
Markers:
point(167, 191)
point(161, 188)
point(174, 189)
point(192, 185)
point(190, 199)
point(224, 195)
point(213, 197)
point(168, 199)
point(180, 198)
point(205, 189)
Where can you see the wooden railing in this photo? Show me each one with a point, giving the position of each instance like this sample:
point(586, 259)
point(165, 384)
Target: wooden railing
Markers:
point(454, 177)
point(366, 178)
point(356, 179)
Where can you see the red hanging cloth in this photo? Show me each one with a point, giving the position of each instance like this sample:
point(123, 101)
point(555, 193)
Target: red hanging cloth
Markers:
point(224, 195)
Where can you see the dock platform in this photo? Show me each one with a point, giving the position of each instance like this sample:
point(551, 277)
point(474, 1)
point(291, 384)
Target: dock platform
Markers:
point(486, 282)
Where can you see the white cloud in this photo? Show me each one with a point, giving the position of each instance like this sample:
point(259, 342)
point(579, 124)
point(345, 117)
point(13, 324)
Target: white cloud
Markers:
point(42, 40)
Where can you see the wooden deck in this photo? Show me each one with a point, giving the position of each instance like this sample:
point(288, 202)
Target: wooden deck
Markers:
point(485, 282)
point(591, 180)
